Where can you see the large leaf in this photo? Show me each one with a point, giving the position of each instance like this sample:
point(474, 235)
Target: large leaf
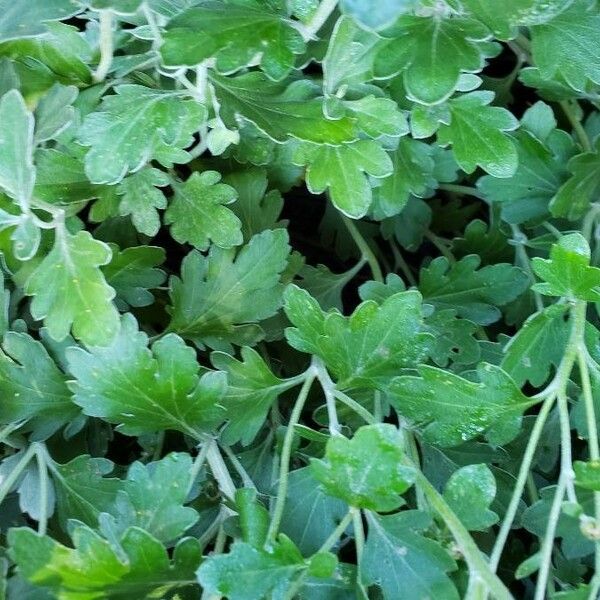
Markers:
point(453, 410)
point(362, 350)
point(145, 390)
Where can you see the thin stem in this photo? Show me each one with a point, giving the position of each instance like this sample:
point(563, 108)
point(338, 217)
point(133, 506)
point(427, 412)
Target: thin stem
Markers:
point(337, 533)
point(219, 469)
point(589, 221)
point(463, 190)
point(43, 475)
point(239, 468)
point(329, 391)
point(364, 248)
point(317, 21)
point(359, 533)
point(580, 132)
point(106, 45)
point(286, 453)
point(439, 244)
point(470, 551)
point(402, 264)
point(519, 240)
point(151, 20)
point(6, 431)
point(511, 511)
point(356, 407)
point(14, 475)
point(548, 542)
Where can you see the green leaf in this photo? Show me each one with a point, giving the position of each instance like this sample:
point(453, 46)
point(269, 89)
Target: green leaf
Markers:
point(69, 290)
point(432, 53)
point(453, 339)
point(565, 47)
point(310, 515)
point(362, 11)
point(587, 474)
point(537, 346)
point(221, 297)
point(404, 563)
point(136, 125)
point(453, 410)
point(253, 516)
point(378, 117)
point(141, 199)
point(366, 471)
point(132, 273)
point(368, 347)
point(29, 20)
point(32, 386)
point(82, 491)
point(17, 173)
point(251, 390)
point(324, 286)
point(233, 36)
point(343, 171)
point(474, 293)
point(94, 569)
point(55, 112)
point(567, 272)
point(145, 390)
point(572, 200)
point(476, 133)
point(278, 111)
point(247, 573)
point(152, 498)
point(198, 213)
point(469, 493)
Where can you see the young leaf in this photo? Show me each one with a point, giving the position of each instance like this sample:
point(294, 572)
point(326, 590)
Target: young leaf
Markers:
point(474, 293)
point(343, 171)
point(587, 474)
point(469, 492)
point(366, 471)
point(247, 573)
point(432, 53)
point(362, 11)
point(251, 390)
point(17, 173)
point(362, 350)
point(454, 410)
point(220, 298)
point(233, 36)
point(198, 213)
point(278, 111)
point(404, 563)
point(141, 199)
point(567, 272)
point(133, 273)
point(136, 125)
point(476, 133)
point(69, 290)
point(145, 390)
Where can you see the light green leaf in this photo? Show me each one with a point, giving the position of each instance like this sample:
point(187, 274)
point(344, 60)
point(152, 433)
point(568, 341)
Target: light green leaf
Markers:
point(122, 7)
point(378, 117)
point(145, 390)
point(234, 36)
point(469, 493)
point(454, 410)
point(404, 563)
point(69, 290)
point(362, 11)
point(475, 293)
point(141, 199)
point(368, 347)
point(132, 273)
point(278, 111)
point(221, 297)
point(343, 171)
point(136, 125)
point(55, 112)
point(476, 133)
point(198, 213)
point(453, 339)
point(366, 471)
point(17, 173)
point(566, 48)
point(567, 272)
point(251, 390)
point(324, 286)
point(587, 474)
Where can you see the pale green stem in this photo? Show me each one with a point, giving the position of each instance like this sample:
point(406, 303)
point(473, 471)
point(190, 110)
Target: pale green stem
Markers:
point(441, 246)
point(239, 468)
point(18, 469)
point(329, 392)
point(317, 21)
point(6, 431)
point(151, 20)
point(519, 240)
point(356, 407)
point(40, 456)
point(286, 454)
point(197, 465)
point(580, 132)
point(337, 533)
point(219, 469)
point(364, 248)
point(463, 190)
point(106, 45)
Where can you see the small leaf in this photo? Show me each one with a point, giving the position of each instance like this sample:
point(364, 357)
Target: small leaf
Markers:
point(198, 215)
point(587, 474)
point(362, 11)
point(366, 471)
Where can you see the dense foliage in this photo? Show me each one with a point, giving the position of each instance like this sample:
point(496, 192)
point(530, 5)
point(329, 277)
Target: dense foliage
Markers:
point(300, 299)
